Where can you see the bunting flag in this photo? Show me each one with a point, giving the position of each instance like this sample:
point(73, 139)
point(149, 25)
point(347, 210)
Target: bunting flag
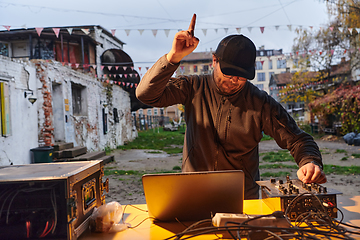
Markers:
point(262, 29)
point(277, 27)
point(113, 32)
point(127, 31)
point(167, 31)
point(216, 30)
point(204, 31)
point(116, 67)
point(226, 30)
point(56, 31)
point(70, 30)
point(238, 30)
point(289, 26)
point(141, 31)
point(39, 30)
point(249, 29)
point(86, 30)
point(7, 27)
point(124, 68)
point(154, 32)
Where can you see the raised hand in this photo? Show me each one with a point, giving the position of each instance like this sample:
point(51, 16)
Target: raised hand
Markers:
point(183, 44)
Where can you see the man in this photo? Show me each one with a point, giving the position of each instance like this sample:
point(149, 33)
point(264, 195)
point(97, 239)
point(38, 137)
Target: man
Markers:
point(225, 114)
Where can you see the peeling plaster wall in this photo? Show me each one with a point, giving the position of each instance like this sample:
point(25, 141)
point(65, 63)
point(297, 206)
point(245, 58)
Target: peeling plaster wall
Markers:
point(15, 148)
point(87, 129)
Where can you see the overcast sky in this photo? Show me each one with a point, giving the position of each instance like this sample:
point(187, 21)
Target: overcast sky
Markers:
point(215, 20)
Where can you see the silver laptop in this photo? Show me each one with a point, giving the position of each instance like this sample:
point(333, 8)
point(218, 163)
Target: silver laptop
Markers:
point(193, 196)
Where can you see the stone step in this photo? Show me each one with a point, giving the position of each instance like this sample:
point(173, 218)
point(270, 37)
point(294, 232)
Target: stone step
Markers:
point(107, 159)
point(74, 152)
point(62, 146)
point(90, 156)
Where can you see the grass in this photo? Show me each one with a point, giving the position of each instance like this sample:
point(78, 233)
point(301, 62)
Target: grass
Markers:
point(164, 140)
point(277, 166)
point(280, 156)
point(121, 172)
point(341, 170)
point(356, 155)
point(340, 151)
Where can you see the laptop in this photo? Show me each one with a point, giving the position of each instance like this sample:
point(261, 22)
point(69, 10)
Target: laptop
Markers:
point(193, 196)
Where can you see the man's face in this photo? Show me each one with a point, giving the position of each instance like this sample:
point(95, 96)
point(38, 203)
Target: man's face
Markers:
point(227, 84)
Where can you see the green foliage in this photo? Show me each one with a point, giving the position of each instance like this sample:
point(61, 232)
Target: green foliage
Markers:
point(344, 159)
point(266, 138)
point(280, 156)
point(275, 174)
point(177, 168)
point(121, 172)
point(356, 155)
point(164, 140)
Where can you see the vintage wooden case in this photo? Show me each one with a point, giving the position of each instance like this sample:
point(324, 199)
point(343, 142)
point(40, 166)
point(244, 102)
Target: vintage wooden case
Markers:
point(49, 200)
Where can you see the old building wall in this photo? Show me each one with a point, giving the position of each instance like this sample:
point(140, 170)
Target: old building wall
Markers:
point(23, 136)
point(54, 116)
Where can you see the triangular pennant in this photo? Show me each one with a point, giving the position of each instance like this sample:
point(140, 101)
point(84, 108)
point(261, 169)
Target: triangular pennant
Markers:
point(216, 30)
point(124, 68)
point(113, 32)
point(262, 29)
point(69, 64)
point(262, 62)
point(277, 28)
point(111, 82)
point(140, 69)
point(7, 27)
point(130, 75)
point(331, 28)
point(69, 30)
point(123, 83)
point(125, 75)
point(24, 26)
point(127, 31)
point(238, 30)
point(154, 32)
point(109, 67)
point(136, 84)
point(167, 31)
point(120, 75)
point(39, 30)
point(136, 75)
point(86, 30)
point(132, 68)
point(56, 31)
point(141, 31)
point(147, 68)
point(116, 67)
point(102, 67)
point(77, 65)
point(63, 63)
point(94, 66)
point(226, 30)
point(127, 84)
point(204, 31)
point(249, 29)
point(350, 30)
point(289, 26)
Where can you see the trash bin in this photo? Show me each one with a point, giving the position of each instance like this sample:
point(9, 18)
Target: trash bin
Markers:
point(42, 154)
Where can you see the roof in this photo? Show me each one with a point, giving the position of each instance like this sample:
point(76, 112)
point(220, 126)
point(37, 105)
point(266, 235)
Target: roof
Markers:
point(198, 56)
point(282, 78)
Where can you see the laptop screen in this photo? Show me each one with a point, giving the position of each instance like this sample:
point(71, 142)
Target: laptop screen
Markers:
point(193, 196)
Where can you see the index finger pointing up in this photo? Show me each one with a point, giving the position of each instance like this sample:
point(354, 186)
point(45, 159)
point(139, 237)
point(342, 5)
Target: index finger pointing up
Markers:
point(192, 25)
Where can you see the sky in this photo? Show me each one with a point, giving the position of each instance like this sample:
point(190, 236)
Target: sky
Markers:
point(148, 26)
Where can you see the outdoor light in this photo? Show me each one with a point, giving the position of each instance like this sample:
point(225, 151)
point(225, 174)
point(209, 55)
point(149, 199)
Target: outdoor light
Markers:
point(30, 93)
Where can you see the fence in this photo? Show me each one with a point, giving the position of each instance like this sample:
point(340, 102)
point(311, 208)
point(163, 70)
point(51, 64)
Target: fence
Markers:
point(143, 122)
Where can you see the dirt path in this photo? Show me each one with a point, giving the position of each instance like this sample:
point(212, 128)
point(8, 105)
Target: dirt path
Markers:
point(127, 189)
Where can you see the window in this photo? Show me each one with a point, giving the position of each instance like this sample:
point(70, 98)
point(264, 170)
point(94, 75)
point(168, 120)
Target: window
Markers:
point(261, 53)
point(4, 49)
point(149, 112)
point(260, 86)
point(270, 74)
point(4, 109)
point(269, 53)
point(296, 63)
point(78, 99)
point(281, 63)
point(156, 111)
point(195, 68)
point(261, 77)
point(141, 111)
point(270, 64)
point(205, 68)
point(259, 65)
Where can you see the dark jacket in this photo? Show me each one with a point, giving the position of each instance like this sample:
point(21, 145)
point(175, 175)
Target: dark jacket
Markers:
point(223, 131)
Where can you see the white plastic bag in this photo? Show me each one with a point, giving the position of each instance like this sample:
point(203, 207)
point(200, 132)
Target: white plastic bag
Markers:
point(107, 218)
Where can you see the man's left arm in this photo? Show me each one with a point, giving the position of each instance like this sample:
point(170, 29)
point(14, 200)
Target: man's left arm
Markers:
point(282, 127)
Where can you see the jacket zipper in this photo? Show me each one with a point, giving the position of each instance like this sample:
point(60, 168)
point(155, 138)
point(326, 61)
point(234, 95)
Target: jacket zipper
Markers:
point(228, 121)
point(222, 101)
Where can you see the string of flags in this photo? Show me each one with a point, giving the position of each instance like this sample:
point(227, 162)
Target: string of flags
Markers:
point(204, 30)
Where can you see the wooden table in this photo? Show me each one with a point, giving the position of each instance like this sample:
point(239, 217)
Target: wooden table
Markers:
point(350, 206)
